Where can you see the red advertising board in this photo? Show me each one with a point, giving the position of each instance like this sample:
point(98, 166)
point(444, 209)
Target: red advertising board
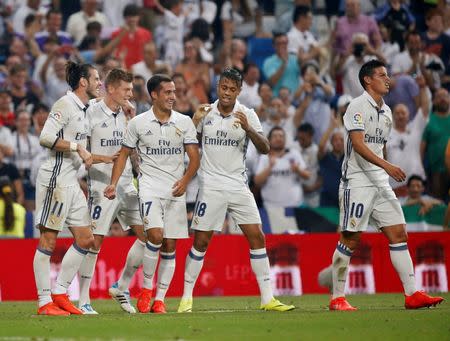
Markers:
point(296, 261)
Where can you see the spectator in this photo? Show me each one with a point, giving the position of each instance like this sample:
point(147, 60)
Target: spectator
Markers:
point(286, 97)
point(148, 67)
point(330, 165)
point(397, 17)
point(314, 96)
point(277, 116)
point(195, 71)
point(388, 48)
point(352, 23)
point(141, 96)
point(40, 114)
point(172, 31)
point(12, 214)
point(279, 173)
point(282, 69)
point(415, 196)
point(434, 142)
point(55, 84)
point(249, 93)
point(233, 54)
point(309, 151)
point(112, 8)
point(241, 19)
point(185, 103)
point(53, 24)
point(27, 8)
point(77, 23)
point(266, 94)
point(130, 46)
point(7, 117)
point(12, 173)
point(203, 37)
point(26, 147)
point(196, 9)
point(414, 61)
point(20, 90)
point(301, 40)
point(350, 63)
point(405, 139)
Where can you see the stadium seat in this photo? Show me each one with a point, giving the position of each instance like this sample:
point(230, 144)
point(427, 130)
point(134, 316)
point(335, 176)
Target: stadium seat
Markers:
point(259, 49)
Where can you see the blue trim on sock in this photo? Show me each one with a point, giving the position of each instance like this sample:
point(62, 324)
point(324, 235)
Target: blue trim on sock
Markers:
point(194, 257)
point(45, 252)
point(79, 249)
point(344, 250)
point(167, 256)
point(253, 256)
point(152, 248)
point(398, 248)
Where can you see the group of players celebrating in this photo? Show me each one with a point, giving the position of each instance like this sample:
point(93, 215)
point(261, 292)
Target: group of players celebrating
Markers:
point(102, 134)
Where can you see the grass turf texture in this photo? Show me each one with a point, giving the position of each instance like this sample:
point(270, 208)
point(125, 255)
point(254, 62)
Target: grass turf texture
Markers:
point(381, 317)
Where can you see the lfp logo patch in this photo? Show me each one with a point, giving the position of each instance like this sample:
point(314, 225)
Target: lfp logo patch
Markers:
point(357, 119)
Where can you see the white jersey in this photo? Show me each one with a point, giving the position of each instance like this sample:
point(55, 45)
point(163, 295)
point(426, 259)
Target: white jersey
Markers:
point(106, 132)
point(224, 146)
point(67, 120)
point(363, 115)
point(161, 150)
point(282, 187)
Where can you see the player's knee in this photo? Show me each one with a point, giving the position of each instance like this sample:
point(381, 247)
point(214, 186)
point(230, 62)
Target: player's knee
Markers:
point(201, 244)
point(155, 237)
point(86, 242)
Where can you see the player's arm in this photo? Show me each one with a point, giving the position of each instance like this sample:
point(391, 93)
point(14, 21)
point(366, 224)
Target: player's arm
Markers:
point(119, 166)
point(179, 187)
point(200, 113)
point(360, 147)
point(259, 140)
point(96, 158)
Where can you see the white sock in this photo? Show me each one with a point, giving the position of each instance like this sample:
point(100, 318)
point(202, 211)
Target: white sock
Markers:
point(261, 267)
point(134, 261)
point(194, 264)
point(165, 274)
point(86, 272)
point(150, 261)
point(341, 260)
point(69, 267)
point(41, 266)
point(402, 262)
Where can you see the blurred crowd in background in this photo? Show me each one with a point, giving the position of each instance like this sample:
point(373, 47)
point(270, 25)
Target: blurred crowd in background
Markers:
point(299, 60)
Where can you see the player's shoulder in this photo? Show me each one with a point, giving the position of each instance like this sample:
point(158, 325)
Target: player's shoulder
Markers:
point(181, 118)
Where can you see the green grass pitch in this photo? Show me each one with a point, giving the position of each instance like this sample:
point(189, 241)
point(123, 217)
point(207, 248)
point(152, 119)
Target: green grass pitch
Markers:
point(380, 317)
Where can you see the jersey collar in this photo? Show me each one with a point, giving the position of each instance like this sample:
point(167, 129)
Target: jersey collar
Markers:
point(76, 99)
point(172, 118)
point(373, 103)
point(107, 110)
point(216, 111)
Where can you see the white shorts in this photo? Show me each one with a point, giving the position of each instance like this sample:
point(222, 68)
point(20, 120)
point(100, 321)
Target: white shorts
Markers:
point(170, 215)
point(212, 206)
point(125, 207)
point(61, 206)
point(377, 206)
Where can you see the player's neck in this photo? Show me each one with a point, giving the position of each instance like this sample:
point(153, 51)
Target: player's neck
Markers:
point(111, 104)
point(82, 95)
point(225, 110)
point(162, 115)
point(376, 97)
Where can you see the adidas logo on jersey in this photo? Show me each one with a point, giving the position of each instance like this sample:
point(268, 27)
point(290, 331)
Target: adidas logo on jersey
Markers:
point(209, 123)
point(148, 133)
point(79, 119)
point(104, 125)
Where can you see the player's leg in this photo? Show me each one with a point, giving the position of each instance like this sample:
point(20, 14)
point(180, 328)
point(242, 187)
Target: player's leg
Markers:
point(41, 266)
point(166, 270)
point(193, 267)
point(402, 262)
point(134, 259)
point(86, 273)
point(152, 211)
point(355, 207)
point(80, 225)
point(209, 215)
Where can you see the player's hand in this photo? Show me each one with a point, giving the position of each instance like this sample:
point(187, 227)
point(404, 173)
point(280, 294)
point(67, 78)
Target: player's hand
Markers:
point(110, 192)
point(111, 159)
point(426, 206)
point(396, 173)
point(241, 120)
point(85, 156)
point(202, 111)
point(129, 109)
point(179, 188)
